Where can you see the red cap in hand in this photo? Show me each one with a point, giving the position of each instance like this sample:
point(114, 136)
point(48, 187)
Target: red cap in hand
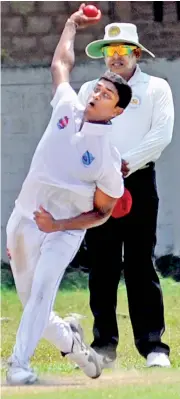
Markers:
point(123, 205)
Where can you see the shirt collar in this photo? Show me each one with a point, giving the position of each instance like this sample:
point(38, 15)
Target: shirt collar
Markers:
point(96, 129)
point(138, 76)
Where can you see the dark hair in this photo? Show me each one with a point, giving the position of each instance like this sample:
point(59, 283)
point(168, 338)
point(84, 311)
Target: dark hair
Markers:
point(123, 89)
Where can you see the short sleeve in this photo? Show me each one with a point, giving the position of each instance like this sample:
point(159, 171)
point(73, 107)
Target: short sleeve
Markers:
point(110, 180)
point(64, 93)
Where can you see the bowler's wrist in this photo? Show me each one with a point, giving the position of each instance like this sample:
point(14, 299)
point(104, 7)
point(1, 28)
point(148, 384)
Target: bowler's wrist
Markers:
point(72, 22)
point(58, 225)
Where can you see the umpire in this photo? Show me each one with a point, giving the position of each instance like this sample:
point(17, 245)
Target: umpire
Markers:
point(140, 134)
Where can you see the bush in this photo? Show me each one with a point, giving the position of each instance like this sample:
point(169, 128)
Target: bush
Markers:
point(169, 266)
point(73, 278)
point(7, 279)
point(76, 275)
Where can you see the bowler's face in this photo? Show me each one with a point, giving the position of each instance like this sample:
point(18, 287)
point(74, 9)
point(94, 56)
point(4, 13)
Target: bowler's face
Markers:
point(102, 103)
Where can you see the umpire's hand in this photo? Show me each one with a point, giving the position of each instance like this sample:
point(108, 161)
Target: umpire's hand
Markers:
point(125, 168)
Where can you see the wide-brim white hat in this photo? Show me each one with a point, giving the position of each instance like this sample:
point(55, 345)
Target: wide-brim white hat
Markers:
point(115, 33)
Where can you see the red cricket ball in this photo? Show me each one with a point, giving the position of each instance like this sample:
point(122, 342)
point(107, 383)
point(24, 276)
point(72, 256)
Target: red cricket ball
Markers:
point(90, 11)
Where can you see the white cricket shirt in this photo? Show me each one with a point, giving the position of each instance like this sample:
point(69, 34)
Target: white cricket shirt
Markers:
point(145, 128)
point(69, 164)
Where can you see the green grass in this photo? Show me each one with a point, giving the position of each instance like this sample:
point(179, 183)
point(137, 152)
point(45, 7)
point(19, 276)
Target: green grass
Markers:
point(47, 359)
point(156, 391)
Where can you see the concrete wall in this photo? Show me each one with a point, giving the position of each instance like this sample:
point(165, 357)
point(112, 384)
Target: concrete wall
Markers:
point(26, 94)
point(31, 29)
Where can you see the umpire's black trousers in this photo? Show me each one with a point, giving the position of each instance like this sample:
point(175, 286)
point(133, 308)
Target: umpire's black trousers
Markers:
point(137, 232)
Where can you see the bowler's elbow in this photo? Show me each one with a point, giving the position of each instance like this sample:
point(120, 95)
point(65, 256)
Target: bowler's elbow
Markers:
point(105, 211)
point(55, 66)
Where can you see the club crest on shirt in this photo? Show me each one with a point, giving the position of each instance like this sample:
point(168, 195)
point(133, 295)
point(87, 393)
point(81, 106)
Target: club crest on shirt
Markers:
point(63, 122)
point(87, 158)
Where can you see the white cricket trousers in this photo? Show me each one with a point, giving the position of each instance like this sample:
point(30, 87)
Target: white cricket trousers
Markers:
point(38, 262)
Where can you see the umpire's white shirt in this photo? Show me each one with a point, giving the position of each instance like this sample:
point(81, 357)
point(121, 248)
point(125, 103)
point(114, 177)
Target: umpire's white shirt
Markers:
point(69, 164)
point(145, 128)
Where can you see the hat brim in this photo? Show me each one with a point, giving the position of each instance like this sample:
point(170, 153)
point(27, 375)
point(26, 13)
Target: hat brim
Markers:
point(94, 49)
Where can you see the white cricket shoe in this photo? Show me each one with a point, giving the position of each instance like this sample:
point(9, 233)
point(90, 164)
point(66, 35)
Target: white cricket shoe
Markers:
point(83, 355)
point(17, 375)
point(158, 359)
point(105, 362)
